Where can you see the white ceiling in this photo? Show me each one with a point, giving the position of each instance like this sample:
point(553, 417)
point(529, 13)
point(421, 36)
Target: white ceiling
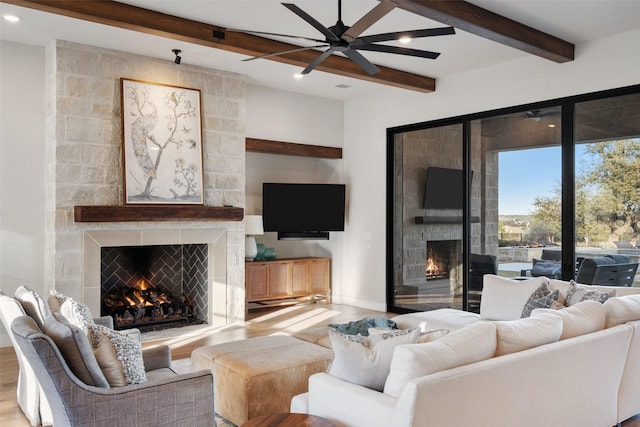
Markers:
point(576, 21)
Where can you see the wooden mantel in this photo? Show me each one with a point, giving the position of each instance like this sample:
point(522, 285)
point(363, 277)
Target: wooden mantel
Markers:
point(288, 148)
point(157, 213)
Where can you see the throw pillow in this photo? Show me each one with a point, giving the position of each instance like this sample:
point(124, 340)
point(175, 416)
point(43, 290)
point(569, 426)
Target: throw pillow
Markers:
point(76, 313)
point(55, 300)
point(366, 360)
point(580, 319)
point(76, 350)
point(577, 293)
point(33, 304)
point(362, 326)
point(622, 310)
point(540, 298)
point(119, 356)
point(426, 337)
point(470, 344)
point(522, 334)
point(504, 299)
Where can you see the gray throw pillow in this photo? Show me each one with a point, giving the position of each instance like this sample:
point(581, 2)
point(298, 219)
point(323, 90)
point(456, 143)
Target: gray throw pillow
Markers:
point(76, 350)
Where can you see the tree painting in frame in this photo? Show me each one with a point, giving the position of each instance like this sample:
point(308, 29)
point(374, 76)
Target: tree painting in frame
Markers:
point(162, 143)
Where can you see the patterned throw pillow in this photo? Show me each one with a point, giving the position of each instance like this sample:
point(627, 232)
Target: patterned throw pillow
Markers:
point(119, 356)
point(76, 313)
point(366, 360)
point(540, 298)
point(578, 293)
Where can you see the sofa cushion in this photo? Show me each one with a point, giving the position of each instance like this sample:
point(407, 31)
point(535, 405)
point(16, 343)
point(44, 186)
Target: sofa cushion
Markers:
point(522, 334)
point(467, 345)
point(76, 350)
point(540, 298)
point(504, 299)
point(119, 356)
point(442, 318)
point(33, 304)
point(366, 360)
point(579, 319)
point(578, 293)
point(544, 267)
point(620, 310)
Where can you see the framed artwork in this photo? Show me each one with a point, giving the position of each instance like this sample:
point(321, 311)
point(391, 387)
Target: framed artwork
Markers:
point(161, 144)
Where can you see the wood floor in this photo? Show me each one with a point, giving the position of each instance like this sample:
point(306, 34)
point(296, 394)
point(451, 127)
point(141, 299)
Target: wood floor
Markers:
point(288, 320)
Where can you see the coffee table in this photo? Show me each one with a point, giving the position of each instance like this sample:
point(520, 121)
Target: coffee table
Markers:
point(288, 420)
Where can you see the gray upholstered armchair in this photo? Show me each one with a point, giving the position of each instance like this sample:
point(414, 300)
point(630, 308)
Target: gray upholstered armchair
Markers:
point(166, 398)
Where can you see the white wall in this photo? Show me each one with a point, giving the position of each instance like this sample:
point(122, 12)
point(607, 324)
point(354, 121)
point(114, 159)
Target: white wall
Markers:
point(604, 64)
point(289, 117)
point(21, 169)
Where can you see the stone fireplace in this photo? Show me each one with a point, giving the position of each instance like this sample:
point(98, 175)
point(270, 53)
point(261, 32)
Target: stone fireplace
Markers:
point(84, 167)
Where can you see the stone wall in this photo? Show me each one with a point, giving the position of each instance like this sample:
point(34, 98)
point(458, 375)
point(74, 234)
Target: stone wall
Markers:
point(83, 155)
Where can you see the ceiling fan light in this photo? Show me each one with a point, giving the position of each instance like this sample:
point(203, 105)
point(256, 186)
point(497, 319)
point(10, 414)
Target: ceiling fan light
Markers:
point(298, 76)
point(405, 39)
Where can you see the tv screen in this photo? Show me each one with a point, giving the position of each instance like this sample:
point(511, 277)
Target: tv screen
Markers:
point(444, 188)
point(303, 207)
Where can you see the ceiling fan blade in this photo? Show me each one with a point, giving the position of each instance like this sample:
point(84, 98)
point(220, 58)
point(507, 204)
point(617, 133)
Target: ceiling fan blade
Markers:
point(373, 16)
point(399, 50)
point(324, 55)
point(361, 61)
point(274, 34)
point(267, 55)
point(414, 34)
point(312, 21)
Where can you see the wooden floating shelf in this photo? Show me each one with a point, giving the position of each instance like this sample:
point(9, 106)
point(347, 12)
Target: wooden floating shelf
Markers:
point(157, 213)
point(291, 149)
point(443, 219)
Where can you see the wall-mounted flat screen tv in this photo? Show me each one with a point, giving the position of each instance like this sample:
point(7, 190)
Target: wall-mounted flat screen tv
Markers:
point(444, 188)
point(303, 207)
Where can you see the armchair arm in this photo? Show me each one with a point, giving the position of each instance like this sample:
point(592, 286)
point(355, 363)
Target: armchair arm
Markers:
point(104, 321)
point(156, 357)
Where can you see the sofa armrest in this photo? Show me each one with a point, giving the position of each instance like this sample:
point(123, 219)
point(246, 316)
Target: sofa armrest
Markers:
point(157, 357)
point(349, 404)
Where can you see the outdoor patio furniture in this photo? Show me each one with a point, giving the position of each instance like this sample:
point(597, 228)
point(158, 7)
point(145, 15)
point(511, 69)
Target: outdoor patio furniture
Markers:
point(609, 270)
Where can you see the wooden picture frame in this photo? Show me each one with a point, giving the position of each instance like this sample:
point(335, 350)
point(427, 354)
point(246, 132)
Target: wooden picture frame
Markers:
point(161, 143)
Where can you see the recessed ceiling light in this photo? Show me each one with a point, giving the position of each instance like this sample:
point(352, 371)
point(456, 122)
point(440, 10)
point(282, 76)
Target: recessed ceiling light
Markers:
point(405, 40)
point(298, 76)
point(551, 125)
point(11, 18)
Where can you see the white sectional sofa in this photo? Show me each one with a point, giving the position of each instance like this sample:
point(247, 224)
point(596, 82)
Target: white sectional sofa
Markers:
point(576, 366)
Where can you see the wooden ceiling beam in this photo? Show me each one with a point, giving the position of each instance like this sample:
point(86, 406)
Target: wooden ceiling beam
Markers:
point(173, 27)
point(481, 22)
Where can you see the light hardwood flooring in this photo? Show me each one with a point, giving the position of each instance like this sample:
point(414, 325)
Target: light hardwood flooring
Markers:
point(287, 320)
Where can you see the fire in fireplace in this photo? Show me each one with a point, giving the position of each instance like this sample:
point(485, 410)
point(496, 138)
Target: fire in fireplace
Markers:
point(154, 287)
point(441, 257)
point(145, 304)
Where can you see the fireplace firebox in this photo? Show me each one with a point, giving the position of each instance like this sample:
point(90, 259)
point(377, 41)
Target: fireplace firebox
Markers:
point(154, 287)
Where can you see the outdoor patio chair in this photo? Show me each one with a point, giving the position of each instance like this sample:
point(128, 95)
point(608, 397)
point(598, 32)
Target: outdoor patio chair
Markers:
point(609, 270)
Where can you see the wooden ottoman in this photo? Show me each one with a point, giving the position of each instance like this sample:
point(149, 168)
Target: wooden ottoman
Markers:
point(259, 376)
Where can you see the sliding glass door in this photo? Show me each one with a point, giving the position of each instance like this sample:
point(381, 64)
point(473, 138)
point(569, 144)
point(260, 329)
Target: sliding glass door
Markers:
point(520, 192)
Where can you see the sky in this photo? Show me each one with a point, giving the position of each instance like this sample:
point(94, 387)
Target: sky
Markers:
point(527, 174)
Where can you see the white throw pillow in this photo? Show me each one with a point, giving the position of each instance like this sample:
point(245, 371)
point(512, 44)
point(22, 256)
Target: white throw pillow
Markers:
point(622, 310)
point(504, 299)
point(119, 356)
point(522, 334)
point(579, 319)
point(366, 360)
point(467, 345)
point(76, 313)
point(578, 293)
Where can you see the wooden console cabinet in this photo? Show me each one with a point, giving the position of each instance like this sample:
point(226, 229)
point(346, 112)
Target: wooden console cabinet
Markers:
point(289, 280)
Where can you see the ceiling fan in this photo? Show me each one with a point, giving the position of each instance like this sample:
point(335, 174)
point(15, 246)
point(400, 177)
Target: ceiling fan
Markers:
point(346, 40)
